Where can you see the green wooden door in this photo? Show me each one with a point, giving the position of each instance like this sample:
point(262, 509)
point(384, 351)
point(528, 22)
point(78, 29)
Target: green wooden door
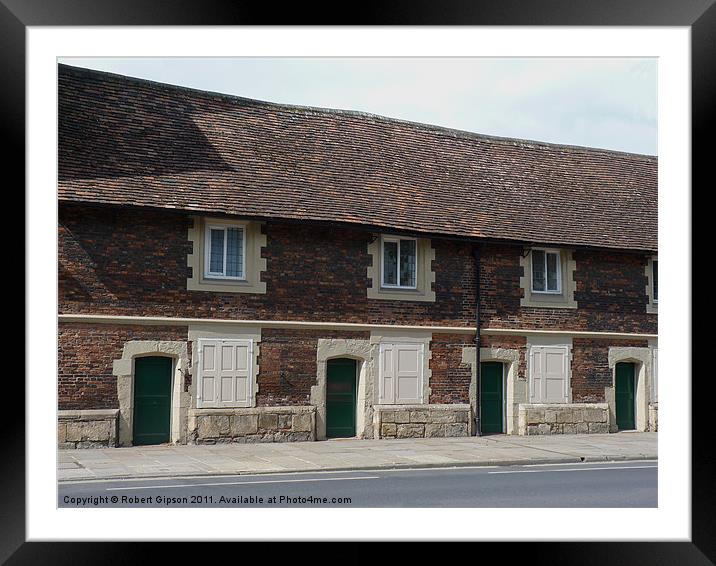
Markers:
point(341, 398)
point(152, 400)
point(624, 387)
point(491, 397)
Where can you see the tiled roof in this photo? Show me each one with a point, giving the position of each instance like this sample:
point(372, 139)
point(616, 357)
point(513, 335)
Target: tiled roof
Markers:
point(134, 142)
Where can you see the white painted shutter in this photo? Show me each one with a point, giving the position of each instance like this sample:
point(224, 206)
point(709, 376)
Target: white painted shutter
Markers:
point(408, 371)
point(225, 373)
point(555, 376)
point(386, 388)
point(549, 374)
point(536, 371)
point(401, 374)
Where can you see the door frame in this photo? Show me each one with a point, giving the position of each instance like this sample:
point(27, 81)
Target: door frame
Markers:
point(515, 388)
point(123, 369)
point(363, 352)
point(642, 358)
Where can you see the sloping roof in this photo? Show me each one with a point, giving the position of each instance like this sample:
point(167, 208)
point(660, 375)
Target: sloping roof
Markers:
point(134, 142)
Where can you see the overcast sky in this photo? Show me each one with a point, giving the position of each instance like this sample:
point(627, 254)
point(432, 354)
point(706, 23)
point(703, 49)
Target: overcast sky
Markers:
point(607, 103)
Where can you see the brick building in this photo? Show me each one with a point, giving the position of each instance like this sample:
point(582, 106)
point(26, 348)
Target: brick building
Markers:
point(234, 271)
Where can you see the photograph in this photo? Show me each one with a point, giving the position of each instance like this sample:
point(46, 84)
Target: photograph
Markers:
point(392, 281)
point(357, 282)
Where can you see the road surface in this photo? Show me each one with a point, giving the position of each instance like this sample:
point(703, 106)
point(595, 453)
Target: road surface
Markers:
point(605, 484)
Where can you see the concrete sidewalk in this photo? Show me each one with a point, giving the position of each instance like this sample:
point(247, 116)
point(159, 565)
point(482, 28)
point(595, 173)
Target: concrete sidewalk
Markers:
point(350, 454)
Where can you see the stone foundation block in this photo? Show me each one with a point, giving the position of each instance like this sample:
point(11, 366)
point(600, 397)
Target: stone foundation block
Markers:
point(388, 429)
point(544, 428)
point(268, 421)
point(443, 417)
point(402, 417)
point(95, 428)
point(456, 429)
point(214, 426)
point(421, 421)
point(419, 416)
point(284, 422)
point(388, 417)
point(563, 418)
point(594, 416)
point(241, 425)
point(410, 431)
point(302, 423)
point(255, 424)
point(299, 436)
point(434, 430)
point(205, 428)
point(61, 433)
point(534, 417)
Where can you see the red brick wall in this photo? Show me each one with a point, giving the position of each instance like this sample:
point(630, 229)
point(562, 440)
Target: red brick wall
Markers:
point(293, 353)
point(133, 262)
point(86, 353)
point(450, 380)
point(590, 362)
point(610, 294)
point(121, 261)
point(590, 367)
point(85, 356)
point(509, 343)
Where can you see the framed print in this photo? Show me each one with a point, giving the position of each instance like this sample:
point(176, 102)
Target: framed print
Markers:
point(369, 371)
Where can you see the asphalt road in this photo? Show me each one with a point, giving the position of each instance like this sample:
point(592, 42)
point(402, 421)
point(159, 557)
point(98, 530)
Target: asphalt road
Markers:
point(617, 484)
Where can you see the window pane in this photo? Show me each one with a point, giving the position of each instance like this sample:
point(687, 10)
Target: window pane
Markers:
point(390, 263)
point(407, 263)
point(216, 257)
point(552, 274)
point(655, 267)
point(234, 252)
point(538, 275)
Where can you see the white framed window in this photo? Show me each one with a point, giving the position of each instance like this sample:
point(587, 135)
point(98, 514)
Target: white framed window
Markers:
point(546, 271)
point(225, 373)
point(399, 262)
point(400, 374)
point(549, 374)
point(655, 280)
point(225, 251)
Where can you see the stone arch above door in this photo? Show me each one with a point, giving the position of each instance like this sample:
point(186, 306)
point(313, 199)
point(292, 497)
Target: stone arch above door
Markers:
point(641, 358)
point(516, 389)
point(363, 352)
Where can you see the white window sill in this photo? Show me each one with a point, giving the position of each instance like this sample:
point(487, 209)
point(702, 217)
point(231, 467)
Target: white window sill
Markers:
point(547, 292)
point(223, 278)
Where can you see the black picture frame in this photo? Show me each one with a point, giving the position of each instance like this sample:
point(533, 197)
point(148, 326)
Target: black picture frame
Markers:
point(699, 15)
